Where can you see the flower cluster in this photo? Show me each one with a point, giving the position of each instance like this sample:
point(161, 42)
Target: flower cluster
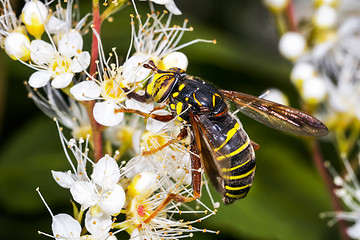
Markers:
point(325, 56)
point(109, 108)
point(324, 49)
point(129, 197)
point(348, 190)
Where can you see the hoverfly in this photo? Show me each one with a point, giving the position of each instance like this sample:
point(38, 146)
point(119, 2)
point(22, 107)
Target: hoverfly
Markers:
point(224, 149)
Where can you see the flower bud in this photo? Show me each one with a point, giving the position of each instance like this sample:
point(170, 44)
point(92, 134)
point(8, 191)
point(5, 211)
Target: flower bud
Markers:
point(314, 90)
point(17, 46)
point(34, 14)
point(292, 45)
point(142, 183)
point(325, 17)
point(276, 5)
point(332, 3)
point(277, 96)
point(300, 72)
point(174, 59)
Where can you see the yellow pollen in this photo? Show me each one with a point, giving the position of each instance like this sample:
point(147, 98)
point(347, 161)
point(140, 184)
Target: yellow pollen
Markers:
point(111, 89)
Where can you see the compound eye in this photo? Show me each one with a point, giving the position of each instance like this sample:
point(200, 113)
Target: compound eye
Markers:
point(164, 84)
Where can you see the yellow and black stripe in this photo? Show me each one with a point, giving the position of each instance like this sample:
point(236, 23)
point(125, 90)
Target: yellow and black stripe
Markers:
point(234, 156)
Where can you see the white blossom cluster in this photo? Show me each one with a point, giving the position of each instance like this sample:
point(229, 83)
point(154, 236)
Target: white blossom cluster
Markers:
point(323, 45)
point(348, 190)
point(132, 197)
point(130, 192)
point(326, 56)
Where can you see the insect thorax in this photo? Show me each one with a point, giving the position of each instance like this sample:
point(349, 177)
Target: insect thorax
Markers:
point(196, 95)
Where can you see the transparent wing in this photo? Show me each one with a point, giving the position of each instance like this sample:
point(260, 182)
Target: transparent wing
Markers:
point(277, 116)
point(207, 154)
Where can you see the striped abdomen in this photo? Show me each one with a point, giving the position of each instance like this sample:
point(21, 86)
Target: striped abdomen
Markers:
point(233, 156)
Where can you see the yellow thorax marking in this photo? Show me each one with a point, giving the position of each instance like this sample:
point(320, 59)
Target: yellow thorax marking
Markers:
point(214, 98)
point(181, 87)
point(197, 101)
point(179, 107)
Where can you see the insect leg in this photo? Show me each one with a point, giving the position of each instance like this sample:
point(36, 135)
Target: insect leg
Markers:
point(183, 134)
point(196, 184)
point(255, 145)
point(161, 118)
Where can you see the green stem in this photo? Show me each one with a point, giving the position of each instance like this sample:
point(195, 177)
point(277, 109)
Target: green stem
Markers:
point(280, 23)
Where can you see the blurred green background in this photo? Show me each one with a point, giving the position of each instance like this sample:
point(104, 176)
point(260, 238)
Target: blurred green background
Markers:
point(287, 194)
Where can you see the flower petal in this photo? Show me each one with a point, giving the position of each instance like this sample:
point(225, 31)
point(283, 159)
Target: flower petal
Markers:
point(41, 52)
point(62, 80)
point(133, 71)
point(65, 227)
point(104, 113)
point(64, 179)
point(86, 91)
point(39, 79)
point(171, 6)
point(55, 25)
point(113, 200)
point(143, 183)
point(155, 126)
point(143, 107)
point(106, 172)
point(80, 62)
point(354, 230)
point(70, 43)
point(83, 193)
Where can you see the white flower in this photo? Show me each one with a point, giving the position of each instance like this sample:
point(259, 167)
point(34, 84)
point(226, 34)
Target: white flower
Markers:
point(61, 65)
point(98, 227)
point(109, 90)
point(348, 190)
point(145, 195)
point(103, 190)
point(65, 227)
point(13, 37)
